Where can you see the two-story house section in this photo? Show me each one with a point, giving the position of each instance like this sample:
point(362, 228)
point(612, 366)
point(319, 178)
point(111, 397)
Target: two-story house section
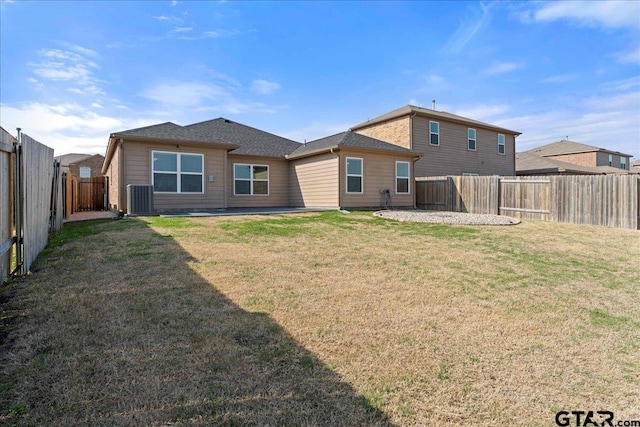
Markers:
point(582, 154)
point(450, 144)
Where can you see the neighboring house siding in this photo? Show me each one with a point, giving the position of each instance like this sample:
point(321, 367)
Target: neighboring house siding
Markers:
point(93, 162)
point(314, 181)
point(452, 157)
point(582, 159)
point(137, 164)
point(396, 131)
point(379, 174)
point(278, 183)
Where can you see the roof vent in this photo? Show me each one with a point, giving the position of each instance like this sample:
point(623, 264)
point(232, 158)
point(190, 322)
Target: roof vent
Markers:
point(433, 105)
point(227, 121)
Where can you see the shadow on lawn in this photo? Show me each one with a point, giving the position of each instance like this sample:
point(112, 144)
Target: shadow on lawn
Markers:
point(121, 330)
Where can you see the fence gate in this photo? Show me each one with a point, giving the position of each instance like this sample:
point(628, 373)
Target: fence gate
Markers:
point(525, 198)
point(92, 193)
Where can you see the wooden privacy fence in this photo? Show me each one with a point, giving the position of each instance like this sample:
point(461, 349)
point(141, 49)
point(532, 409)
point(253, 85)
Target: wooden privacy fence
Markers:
point(30, 203)
point(607, 200)
point(84, 194)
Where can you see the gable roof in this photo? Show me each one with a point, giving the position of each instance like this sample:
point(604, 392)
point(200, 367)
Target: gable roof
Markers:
point(527, 162)
point(346, 139)
point(425, 112)
point(251, 141)
point(71, 158)
point(568, 147)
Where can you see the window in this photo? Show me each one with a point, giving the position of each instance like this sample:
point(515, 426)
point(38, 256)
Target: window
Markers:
point(434, 133)
point(501, 147)
point(354, 175)
point(610, 159)
point(250, 180)
point(402, 177)
point(85, 172)
point(177, 172)
point(623, 162)
point(471, 137)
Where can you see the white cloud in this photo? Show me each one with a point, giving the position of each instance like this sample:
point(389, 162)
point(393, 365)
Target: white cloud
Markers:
point(67, 127)
point(161, 18)
point(609, 120)
point(560, 78)
point(483, 112)
point(315, 130)
point(264, 87)
point(629, 57)
point(71, 66)
point(96, 105)
point(219, 33)
point(468, 29)
point(502, 67)
point(609, 14)
point(182, 29)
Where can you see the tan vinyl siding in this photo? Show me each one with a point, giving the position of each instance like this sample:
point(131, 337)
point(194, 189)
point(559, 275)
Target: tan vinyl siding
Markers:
point(314, 181)
point(137, 164)
point(278, 183)
point(379, 173)
point(452, 156)
point(396, 131)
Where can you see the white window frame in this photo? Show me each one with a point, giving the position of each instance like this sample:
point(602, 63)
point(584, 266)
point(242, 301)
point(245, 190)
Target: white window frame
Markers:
point(84, 168)
point(347, 174)
point(434, 133)
point(251, 179)
point(474, 139)
point(502, 144)
point(623, 162)
point(610, 159)
point(178, 172)
point(408, 177)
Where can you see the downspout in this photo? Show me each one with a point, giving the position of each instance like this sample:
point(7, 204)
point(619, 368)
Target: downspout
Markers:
point(121, 176)
point(332, 151)
point(415, 183)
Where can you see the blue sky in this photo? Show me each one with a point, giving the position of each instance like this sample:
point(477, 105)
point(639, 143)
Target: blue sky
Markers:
point(74, 72)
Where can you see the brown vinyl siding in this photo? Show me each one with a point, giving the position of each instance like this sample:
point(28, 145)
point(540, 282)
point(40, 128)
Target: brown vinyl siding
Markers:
point(452, 156)
point(137, 166)
point(396, 131)
point(379, 173)
point(314, 181)
point(278, 183)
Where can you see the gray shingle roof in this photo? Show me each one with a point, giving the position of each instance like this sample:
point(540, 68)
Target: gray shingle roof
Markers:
point(437, 115)
point(347, 139)
point(568, 147)
point(71, 158)
point(252, 141)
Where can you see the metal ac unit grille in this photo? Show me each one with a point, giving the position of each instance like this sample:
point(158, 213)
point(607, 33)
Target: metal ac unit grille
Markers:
point(139, 199)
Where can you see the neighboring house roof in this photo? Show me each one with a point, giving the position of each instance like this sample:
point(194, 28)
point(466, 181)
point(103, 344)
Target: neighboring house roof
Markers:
point(252, 141)
point(430, 113)
point(69, 159)
point(528, 163)
point(346, 139)
point(568, 147)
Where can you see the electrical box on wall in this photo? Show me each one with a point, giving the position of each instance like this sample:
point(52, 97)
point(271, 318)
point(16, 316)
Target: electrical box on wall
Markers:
point(210, 178)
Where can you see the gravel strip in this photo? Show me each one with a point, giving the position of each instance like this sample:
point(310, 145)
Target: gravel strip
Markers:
point(452, 218)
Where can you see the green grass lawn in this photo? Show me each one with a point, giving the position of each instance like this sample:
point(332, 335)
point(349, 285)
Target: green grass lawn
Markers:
point(322, 319)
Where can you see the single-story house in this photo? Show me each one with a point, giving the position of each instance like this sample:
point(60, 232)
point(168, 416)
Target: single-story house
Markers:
point(81, 165)
point(220, 164)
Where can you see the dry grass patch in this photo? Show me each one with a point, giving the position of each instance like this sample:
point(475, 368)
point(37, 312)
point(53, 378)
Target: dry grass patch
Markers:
point(324, 319)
